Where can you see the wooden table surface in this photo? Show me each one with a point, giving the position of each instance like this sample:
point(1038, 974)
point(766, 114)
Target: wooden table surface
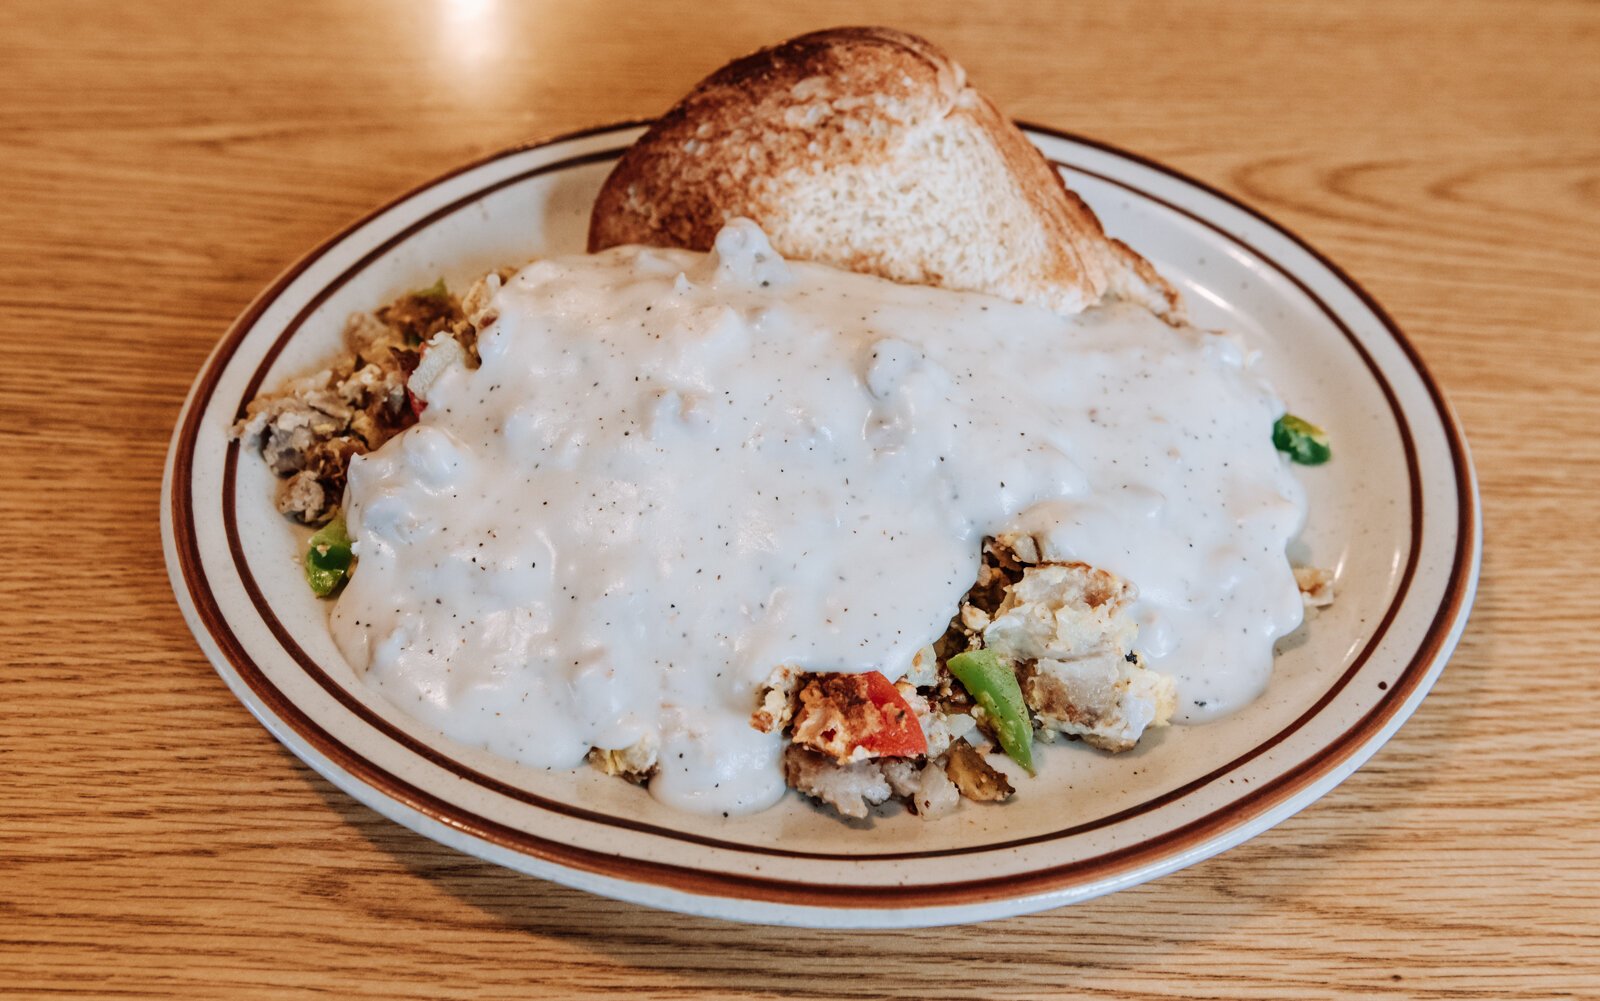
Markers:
point(161, 161)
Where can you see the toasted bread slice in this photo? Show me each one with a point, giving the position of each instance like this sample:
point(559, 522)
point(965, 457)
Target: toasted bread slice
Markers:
point(864, 148)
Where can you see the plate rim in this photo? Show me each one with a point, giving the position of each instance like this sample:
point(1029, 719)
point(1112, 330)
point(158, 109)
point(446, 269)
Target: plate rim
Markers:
point(1228, 824)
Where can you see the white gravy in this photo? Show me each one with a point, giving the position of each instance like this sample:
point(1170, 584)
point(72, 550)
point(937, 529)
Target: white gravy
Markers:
point(674, 471)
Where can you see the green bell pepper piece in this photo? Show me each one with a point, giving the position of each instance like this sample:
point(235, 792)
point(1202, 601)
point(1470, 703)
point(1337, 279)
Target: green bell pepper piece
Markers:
point(1303, 441)
point(435, 291)
point(328, 558)
point(993, 683)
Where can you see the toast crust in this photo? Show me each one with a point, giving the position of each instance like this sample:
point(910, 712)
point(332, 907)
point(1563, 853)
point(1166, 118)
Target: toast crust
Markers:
point(726, 142)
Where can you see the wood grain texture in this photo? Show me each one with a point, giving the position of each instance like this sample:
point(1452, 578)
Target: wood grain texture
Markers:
point(163, 160)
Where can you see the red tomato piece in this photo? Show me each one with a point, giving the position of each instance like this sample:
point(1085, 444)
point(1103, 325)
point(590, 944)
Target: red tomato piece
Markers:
point(901, 735)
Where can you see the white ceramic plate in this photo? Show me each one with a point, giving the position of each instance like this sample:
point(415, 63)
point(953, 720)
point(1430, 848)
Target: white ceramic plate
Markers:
point(1395, 513)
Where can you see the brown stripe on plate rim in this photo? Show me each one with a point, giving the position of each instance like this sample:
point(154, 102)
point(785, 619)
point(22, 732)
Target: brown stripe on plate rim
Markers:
point(1246, 808)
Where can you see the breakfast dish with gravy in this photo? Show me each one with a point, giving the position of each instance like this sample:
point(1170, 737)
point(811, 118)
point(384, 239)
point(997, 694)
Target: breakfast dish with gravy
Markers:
point(853, 458)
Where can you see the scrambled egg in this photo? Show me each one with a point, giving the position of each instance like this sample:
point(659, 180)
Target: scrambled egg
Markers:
point(1067, 624)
